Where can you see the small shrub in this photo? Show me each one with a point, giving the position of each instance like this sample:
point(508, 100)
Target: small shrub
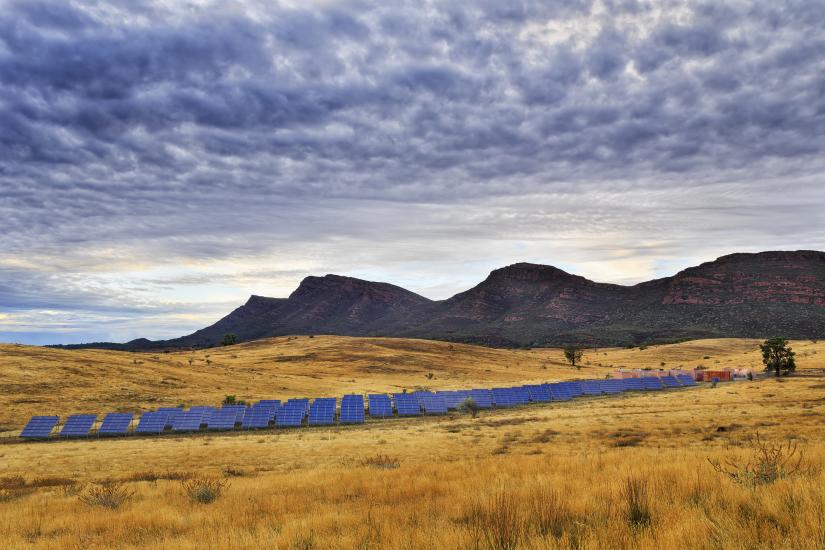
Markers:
point(430, 376)
point(204, 490)
point(110, 494)
point(637, 502)
point(381, 461)
point(469, 406)
point(767, 464)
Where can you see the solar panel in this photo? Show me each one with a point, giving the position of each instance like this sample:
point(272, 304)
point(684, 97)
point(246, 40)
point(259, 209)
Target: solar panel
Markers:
point(591, 387)
point(685, 380)
point(379, 404)
point(258, 416)
point(559, 392)
point(434, 404)
point(454, 398)
point(78, 425)
point(482, 398)
point(189, 421)
point(322, 412)
point(39, 427)
point(520, 395)
point(670, 382)
point(504, 397)
point(115, 424)
point(406, 404)
point(292, 413)
point(171, 414)
point(352, 408)
point(240, 411)
point(152, 422)
point(612, 386)
point(222, 419)
point(574, 388)
point(651, 383)
point(633, 384)
point(539, 393)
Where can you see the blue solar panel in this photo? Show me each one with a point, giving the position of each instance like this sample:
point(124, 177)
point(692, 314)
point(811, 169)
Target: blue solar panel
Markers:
point(406, 404)
point(670, 382)
point(379, 404)
point(454, 398)
point(240, 411)
point(292, 413)
point(222, 419)
point(115, 424)
point(152, 422)
point(258, 416)
point(504, 397)
point(482, 398)
point(633, 384)
point(651, 383)
point(591, 387)
point(322, 412)
point(685, 380)
point(352, 409)
point(574, 388)
point(612, 386)
point(433, 404)
point(39, 427)
point(190, 421)
point(539, 393)
point(520, 395)
point(559, 392)
point(78, 425)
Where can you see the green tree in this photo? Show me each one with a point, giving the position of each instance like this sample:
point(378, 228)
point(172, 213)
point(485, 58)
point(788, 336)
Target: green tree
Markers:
point(228, 340)
point(778, 356)
point(469, 406)
point(573, 355)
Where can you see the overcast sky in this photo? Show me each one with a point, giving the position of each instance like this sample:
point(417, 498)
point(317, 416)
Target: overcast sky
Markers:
point(161, 161)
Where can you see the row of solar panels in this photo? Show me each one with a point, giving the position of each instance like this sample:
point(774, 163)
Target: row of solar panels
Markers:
point(322, 411)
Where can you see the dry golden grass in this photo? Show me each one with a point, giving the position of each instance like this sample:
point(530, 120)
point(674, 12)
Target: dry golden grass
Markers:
point(554, 476)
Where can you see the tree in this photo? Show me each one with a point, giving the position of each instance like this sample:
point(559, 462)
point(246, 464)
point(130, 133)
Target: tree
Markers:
point(469, 406)
point(778, 356)
point(228, 340)
point(573, 355)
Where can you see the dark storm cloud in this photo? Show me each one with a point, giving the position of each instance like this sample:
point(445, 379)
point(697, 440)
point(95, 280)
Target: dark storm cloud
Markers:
point(146, 133)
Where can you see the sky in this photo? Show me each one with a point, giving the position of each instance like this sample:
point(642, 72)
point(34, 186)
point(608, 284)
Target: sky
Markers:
point(162, 161)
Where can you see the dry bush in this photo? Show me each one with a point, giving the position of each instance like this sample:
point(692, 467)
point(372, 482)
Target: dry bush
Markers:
point(636, 497)
point(204, 490)
point(152, 476)
point(381, 461)
point(109, 494)
point(502, 522)
point(766, 464)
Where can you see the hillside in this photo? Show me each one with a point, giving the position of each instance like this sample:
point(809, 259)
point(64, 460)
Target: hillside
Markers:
point(35, 380)
point(736, 296)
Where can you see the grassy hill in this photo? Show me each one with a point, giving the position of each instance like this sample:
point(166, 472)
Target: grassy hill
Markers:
point(557, 475)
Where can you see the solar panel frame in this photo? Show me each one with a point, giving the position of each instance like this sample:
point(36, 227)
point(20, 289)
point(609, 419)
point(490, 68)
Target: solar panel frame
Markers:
point(380, 405)
point(190, 421)
point(152, 422)
point(115, 424)
point(39, 427)
point(322, 411)
point(406, 404)
point(352, 409)
point(78, 425)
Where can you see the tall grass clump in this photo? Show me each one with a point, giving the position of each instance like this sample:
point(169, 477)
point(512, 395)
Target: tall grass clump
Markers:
point(767, 463)
point(204, 490)
point(498, 522)
point(109, 494)
point(636, 496)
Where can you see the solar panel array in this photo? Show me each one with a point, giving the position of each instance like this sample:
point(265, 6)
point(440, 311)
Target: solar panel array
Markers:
point(40, 426)
point(379, 404)
point(322, 412)
point(299, 412)
point(406, 404)
point(115, 424)
point(352, 409)
point(78, 425)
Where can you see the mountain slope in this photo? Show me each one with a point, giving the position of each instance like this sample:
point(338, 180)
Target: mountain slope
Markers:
point(739, 295)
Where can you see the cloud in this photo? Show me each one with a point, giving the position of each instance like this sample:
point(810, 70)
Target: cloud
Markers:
point(153, 149)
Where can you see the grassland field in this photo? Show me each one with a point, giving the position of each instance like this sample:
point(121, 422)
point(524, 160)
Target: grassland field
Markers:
point(628, 471)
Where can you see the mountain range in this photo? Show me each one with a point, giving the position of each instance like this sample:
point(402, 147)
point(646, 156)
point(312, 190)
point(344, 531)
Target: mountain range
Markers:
point(738, 295)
